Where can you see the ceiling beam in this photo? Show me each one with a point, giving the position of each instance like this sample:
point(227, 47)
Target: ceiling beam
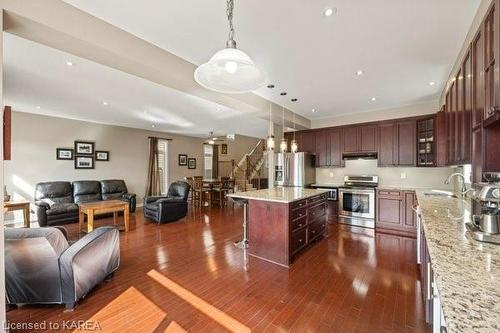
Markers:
point(61, 26)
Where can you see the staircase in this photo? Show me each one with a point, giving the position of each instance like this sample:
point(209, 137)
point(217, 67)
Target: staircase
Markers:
point(250, 167)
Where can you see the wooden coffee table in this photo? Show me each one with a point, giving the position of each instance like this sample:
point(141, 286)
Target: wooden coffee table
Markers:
point(103, 207)
point(10, 206)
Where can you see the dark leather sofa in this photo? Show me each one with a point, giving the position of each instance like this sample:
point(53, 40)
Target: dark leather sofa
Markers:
point(168, 208)
point(57, 202)
point(42, 267)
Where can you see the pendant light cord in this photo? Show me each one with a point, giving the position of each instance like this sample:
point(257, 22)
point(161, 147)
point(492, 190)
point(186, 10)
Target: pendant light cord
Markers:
point(229, 13)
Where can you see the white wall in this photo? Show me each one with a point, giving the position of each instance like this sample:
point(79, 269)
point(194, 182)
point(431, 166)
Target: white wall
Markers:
point(362, 117)
point(2, 251)
point(415, 177)
point(36, 137)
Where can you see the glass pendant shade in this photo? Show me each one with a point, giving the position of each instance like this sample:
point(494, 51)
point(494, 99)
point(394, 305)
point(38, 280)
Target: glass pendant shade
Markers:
point(230, 71)
point(270, 142)
point(294, 147)
point(283, 146)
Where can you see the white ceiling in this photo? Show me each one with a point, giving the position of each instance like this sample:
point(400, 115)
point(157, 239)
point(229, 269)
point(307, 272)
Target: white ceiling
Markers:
point(37, 76)
point(401, 45)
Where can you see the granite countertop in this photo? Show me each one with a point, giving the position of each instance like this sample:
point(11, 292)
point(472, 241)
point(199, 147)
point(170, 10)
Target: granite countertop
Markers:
point(467, 272)
point(410, 188)
point(278, 194)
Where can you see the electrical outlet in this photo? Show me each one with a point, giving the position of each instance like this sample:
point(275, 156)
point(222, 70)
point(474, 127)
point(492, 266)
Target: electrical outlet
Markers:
point(403, 175)
point(331, 174)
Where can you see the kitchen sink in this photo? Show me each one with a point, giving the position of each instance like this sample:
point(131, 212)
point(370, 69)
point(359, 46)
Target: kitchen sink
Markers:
point(438, 193)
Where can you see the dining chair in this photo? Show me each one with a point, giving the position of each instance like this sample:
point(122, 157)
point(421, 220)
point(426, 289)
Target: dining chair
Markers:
point(219, 192)
point(197, 190)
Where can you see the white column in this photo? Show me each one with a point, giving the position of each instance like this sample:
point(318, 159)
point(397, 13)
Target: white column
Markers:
point(3, 316)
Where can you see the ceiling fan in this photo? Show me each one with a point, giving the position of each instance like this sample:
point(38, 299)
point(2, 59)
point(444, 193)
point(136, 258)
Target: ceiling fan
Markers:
point(211, 140)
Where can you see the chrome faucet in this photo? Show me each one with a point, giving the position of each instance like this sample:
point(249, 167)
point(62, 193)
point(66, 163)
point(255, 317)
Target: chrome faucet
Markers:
point(457, 174)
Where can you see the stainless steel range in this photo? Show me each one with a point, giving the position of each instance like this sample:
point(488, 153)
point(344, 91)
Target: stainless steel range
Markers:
point(357, 200)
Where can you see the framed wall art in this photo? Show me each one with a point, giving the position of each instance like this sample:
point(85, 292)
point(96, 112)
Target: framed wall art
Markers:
point(84, 162)
point(183, 158)
point(64, 153)
point(102, 155)
point(191, 163)
point(84, 148)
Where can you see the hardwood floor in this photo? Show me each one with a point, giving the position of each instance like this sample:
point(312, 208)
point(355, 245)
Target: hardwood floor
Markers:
point(188, 276)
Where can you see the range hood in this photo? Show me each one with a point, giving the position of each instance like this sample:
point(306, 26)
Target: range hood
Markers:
point(360, 156)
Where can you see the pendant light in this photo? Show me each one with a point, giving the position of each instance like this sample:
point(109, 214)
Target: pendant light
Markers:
point(270, 134)
point(284, 144)
point(294, 147)
point(230, 70)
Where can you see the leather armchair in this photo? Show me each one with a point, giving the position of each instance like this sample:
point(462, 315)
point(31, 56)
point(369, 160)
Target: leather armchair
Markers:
point(41, 267)
point(168, 208)
point(115, 189)
point(54, 203)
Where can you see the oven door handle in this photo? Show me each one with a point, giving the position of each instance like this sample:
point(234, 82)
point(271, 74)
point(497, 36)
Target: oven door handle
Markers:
point(354, 191)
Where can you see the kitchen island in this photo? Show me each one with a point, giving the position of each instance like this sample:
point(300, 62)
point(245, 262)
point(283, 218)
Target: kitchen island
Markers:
point(282, 221)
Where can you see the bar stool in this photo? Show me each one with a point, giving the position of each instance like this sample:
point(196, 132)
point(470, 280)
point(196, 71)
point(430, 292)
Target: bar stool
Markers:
point(243, 243)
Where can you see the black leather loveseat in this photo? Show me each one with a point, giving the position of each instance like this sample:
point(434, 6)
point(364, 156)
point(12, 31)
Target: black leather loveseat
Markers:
point(168, 208)
point(57, 202)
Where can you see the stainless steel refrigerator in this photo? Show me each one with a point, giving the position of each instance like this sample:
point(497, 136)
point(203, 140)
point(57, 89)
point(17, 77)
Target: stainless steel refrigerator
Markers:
point(294, 169)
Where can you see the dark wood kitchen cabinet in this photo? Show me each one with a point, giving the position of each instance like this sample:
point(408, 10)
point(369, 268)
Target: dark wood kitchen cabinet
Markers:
point(407, 149)
point(334, 138)
point(362, 138)
point(466, 118)
point(491, 68)
point(368, 138)
point(477, 80)
point(350, 140)
point(308, 142)
point(321, 149)
point(397, 143)
point(394, 212)
point(387, 144)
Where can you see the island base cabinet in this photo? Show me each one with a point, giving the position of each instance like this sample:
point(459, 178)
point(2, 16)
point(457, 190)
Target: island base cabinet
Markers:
point(277, 232)
point(268, 231)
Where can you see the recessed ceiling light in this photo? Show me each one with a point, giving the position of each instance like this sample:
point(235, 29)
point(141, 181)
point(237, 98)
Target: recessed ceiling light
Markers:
point(104, 103)
point(432, 83)
point(359, 72)
point(69, 63)
point(38, 107)
point(330, 11)
point(313, 110)
point(373, 99)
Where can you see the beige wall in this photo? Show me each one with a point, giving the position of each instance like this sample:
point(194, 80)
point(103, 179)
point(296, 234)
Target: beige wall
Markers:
point(361, 117)
point(237, 148)
point(35, 139)
point(415, 177)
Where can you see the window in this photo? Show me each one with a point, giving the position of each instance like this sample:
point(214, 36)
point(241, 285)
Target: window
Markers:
point(163, 165)
point(208, 153)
